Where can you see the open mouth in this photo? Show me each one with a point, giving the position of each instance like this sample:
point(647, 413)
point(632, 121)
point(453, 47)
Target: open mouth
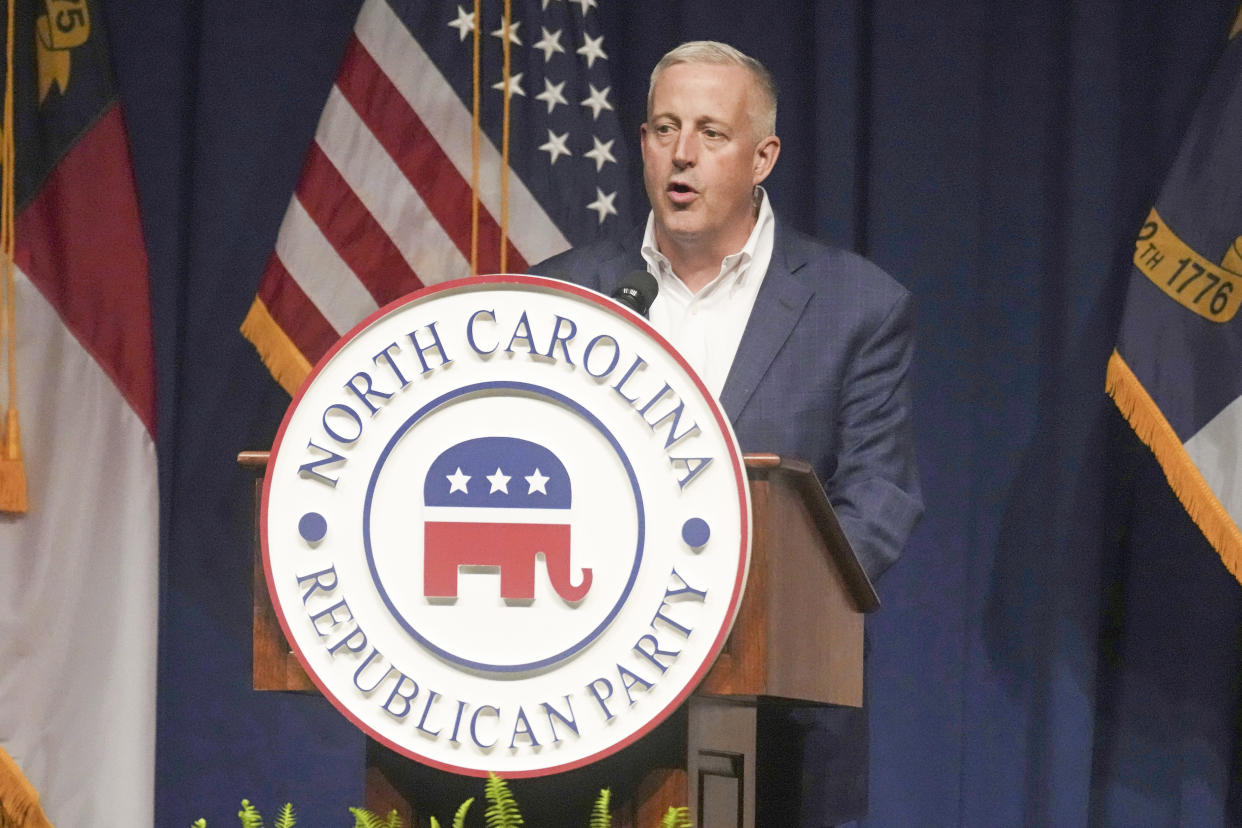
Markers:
point(681, 193)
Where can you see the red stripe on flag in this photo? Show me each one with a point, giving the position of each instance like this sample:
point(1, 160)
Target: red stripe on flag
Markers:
point(296, 315)
point(353, 231)
point(397, 126)
point(79, 240)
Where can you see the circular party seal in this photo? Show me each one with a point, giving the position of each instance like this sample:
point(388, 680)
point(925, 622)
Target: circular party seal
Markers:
point(505, 526)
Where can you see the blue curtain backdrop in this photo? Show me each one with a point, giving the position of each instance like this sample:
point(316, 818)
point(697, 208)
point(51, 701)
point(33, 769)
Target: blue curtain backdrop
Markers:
point(1057, 647)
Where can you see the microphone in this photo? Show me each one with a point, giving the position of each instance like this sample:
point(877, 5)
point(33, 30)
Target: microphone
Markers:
point(637, 291)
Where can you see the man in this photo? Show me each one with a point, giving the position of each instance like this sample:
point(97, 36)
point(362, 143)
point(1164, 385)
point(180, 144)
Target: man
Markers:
point(806, 346)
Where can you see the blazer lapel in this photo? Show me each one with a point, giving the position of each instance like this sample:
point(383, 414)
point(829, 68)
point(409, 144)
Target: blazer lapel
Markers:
point(778, 306)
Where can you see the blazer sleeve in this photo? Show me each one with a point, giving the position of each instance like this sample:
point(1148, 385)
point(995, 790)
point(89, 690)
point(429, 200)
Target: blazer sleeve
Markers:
point(875, 488)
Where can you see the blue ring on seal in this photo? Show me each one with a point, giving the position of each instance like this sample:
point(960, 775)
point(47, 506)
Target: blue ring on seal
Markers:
point(536, 390)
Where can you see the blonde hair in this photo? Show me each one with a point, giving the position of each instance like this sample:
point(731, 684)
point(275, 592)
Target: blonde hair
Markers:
point(763, 113)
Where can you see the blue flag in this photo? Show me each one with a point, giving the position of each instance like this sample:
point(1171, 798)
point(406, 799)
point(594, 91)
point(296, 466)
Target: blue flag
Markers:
point(1176, 372)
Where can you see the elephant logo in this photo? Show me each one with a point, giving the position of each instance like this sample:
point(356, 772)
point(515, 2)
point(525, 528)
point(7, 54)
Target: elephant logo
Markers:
point(496, 504)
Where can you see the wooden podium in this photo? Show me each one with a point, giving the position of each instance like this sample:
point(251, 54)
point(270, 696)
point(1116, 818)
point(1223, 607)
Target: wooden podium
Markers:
point(798, 639)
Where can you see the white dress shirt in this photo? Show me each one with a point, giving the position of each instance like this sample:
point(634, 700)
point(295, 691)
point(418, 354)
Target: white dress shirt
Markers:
point(706, 327)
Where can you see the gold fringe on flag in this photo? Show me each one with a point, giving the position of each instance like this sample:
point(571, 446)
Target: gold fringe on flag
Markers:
point(1184, 478)
point(286, 363)
point(19, 801)
point(12, 468)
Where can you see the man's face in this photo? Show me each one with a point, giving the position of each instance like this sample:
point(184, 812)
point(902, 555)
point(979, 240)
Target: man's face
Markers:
point(701, 160)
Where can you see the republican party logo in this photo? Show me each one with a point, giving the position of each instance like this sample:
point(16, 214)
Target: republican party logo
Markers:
point(505, 527)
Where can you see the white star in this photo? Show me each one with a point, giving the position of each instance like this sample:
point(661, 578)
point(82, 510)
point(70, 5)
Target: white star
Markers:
point(603, 204)
point(552, 94)
point(549, 44)
point(592, 48)
point(464, 24)
point(545, 5)
point(499, 481)
point(555, 147)
point(601, 154)
point(457, 481)
point(538, 483)
point(585, 4)
point(513, 35)
point(598, 100)
point(515, 86)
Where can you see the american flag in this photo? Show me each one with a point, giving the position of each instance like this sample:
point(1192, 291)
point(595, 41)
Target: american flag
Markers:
point(384, 203)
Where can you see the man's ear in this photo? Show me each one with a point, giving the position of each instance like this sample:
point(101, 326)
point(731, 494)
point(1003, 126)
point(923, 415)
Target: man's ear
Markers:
point(766, 153)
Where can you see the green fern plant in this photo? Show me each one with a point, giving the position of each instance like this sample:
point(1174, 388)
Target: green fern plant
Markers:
point(601, 812)
point(369, 819)
point(676, 818)
point(459, 819)
point(502, 810)
point(249, 815)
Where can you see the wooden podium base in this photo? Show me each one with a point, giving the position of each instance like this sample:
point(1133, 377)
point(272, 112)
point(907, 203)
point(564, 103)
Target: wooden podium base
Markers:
point(721, 759)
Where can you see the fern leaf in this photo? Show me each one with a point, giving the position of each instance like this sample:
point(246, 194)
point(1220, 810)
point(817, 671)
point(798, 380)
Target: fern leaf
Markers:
point(601, 814)
point(676, 818)
point(199, 823)
point(459, 819)
point(365, 819)
point(502, 810)
point(287, 818)
point(393, 820)
point(435, 823)
point(249, 815)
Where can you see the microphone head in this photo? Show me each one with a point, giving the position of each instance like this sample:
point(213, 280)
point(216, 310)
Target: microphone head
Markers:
point(637, 291)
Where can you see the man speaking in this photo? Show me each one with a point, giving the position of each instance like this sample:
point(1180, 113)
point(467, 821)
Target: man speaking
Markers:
point(807, 347)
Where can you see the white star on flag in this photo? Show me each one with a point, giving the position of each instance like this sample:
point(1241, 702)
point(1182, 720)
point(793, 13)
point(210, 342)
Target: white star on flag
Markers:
point(499, 481)
point(552, 94)
point(538, 483)
point(464, 24)
point(513, 35)
point(549, 44)
point(603, 204)
point(555, 146)
point(515, 86)
point(592, 48)
point(601, 154)
point(457, 481)
point(597, 100)
point(585, 4)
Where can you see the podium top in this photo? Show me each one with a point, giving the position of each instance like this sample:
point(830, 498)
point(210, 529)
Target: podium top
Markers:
point(804, 481)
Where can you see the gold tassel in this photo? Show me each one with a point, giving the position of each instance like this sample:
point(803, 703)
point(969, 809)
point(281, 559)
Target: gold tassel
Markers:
point(12, 468)
point(19, 802)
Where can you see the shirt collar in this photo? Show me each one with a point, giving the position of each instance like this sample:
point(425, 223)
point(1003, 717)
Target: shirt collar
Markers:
point(658, 264)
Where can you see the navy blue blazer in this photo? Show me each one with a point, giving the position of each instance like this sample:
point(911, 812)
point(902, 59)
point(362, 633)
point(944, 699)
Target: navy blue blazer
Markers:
point(820, 374)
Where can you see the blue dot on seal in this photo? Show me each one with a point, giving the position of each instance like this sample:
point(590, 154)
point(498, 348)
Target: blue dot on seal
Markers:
point(695, 532)
point(312, 527)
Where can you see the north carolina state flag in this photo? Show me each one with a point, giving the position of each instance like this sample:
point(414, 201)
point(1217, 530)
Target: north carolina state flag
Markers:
point(78, 572)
